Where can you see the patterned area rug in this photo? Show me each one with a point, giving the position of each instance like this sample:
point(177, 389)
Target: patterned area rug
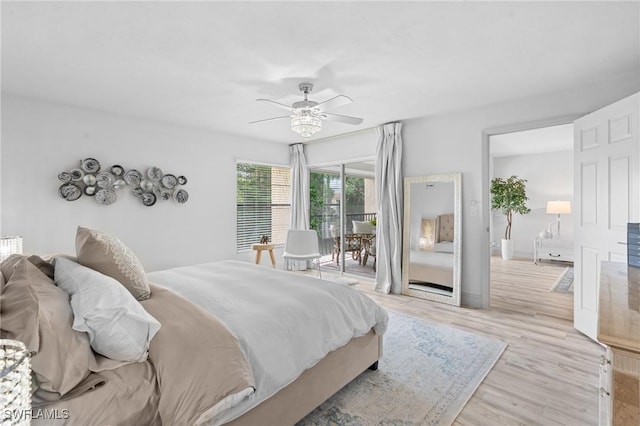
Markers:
point(427, 374)
point(564, 283)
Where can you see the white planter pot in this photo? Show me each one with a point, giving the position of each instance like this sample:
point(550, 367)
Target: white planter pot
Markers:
point(507, 249)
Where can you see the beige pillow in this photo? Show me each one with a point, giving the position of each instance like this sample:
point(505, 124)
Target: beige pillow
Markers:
point(101, 252)
point(36, 312)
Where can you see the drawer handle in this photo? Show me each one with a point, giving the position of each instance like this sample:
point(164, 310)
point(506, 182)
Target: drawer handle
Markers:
point(603, 392)
point(604, 360)
point(554, 255)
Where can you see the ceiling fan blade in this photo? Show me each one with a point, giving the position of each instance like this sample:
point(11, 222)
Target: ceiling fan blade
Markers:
point(334, 102)
point(278, 104)
point(341, 118)
point(269, 119)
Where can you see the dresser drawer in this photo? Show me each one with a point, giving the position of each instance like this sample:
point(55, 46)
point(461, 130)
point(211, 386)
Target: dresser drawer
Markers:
point(549, 253)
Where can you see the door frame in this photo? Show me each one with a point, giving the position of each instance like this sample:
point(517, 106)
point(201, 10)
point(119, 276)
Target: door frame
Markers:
point(485, 252)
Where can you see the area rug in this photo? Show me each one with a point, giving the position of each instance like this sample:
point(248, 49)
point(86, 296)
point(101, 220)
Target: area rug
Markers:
point(426, 375)
point(564, 283)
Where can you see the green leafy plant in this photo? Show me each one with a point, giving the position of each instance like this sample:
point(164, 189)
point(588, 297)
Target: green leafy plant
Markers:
point(373, 222)
point(509, 196)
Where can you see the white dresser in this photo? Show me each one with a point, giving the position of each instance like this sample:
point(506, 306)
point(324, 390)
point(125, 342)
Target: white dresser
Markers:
point(552, 249)
point(619, 330)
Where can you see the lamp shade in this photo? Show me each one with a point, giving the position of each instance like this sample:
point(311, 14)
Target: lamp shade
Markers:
point(558, 207)
point(9, 246)
point(425, 242)
point(306, 123)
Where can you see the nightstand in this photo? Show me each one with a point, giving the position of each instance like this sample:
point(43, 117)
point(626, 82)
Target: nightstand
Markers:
point(552, 249)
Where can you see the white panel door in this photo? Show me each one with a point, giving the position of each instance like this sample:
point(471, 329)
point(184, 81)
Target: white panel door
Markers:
point(606, 197)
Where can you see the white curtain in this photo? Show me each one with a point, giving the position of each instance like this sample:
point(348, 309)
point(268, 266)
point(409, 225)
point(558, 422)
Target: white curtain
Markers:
point(299, 218)
point(389, 220)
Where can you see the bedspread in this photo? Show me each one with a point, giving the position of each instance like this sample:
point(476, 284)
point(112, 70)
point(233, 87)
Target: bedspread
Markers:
point(285, 322)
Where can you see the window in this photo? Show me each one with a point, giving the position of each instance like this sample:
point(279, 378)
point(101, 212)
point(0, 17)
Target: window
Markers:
point(263, 204)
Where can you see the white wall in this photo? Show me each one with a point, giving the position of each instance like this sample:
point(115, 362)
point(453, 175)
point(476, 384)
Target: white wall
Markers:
point(452, 142)
point(355, 146)
point(549, 177)
point(40, 139)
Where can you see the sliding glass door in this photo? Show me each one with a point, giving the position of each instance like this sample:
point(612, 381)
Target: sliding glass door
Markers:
point(343, 212)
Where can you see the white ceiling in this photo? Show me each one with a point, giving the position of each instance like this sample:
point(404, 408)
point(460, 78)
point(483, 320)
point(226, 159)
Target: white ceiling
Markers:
point(547, 139)
point(203, 63)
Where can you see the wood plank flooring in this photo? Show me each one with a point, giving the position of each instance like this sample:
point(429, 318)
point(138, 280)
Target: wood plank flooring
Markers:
point(548, 375)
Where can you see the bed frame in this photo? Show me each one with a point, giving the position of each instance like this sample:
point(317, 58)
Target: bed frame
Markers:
point(316, 384)
point(431, 274)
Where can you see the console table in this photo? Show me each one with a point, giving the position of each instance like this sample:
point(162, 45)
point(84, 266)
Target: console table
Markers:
point(619, 330)
point(552, 249)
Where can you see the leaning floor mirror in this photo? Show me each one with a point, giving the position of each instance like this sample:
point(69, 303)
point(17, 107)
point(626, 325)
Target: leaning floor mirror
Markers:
point(432, 236)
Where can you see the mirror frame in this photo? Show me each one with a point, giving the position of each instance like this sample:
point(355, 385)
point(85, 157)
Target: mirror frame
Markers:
point(456, 178)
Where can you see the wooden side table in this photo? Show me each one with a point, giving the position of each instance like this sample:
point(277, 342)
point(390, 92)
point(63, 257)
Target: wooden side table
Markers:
point(259, 248)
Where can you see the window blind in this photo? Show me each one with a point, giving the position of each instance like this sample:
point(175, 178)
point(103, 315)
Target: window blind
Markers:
point(263, 204)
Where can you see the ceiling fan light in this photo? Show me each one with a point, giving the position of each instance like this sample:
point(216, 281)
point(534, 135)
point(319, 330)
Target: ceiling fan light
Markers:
point(305, 123)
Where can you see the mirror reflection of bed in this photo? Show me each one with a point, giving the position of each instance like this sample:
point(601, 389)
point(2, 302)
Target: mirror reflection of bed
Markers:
point(431, 259)
point(431, 240)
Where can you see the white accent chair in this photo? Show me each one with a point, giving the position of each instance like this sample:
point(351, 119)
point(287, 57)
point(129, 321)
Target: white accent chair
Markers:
point(302, 245)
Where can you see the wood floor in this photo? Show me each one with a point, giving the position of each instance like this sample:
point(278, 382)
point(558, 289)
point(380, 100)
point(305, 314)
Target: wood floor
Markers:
point(548, 375)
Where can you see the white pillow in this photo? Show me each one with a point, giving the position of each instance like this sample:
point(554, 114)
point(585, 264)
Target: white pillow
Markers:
point(118, 326)
point(443, 247)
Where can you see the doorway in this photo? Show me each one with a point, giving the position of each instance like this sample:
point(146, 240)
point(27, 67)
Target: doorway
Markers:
point(537, 279)
point(343, 210)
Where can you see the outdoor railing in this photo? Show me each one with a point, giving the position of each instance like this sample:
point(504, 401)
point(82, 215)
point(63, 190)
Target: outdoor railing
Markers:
point(327, 233)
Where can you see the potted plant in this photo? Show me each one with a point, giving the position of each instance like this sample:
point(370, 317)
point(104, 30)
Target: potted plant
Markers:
point(509, 196)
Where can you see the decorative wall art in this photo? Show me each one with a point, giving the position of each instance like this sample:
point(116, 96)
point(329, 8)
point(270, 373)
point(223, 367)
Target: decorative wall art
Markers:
point(103, 184)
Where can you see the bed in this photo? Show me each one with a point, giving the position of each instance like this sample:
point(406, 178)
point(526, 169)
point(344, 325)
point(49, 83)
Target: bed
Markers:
point(433, 261)
point(236, 343)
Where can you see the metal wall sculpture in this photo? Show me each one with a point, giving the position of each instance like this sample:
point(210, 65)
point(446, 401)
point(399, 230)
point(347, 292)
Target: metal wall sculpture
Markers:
point(103, 184)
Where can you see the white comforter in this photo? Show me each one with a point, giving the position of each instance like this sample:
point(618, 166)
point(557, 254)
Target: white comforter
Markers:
point(285, 322)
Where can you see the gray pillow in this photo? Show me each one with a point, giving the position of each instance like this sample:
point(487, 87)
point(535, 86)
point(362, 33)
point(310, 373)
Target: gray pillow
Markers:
point(118, 326)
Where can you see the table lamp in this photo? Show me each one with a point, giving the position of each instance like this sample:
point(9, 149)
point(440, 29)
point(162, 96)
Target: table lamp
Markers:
point(558, 208)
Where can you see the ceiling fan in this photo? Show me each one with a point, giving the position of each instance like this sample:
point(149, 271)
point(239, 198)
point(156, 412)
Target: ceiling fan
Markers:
point(306, 115)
